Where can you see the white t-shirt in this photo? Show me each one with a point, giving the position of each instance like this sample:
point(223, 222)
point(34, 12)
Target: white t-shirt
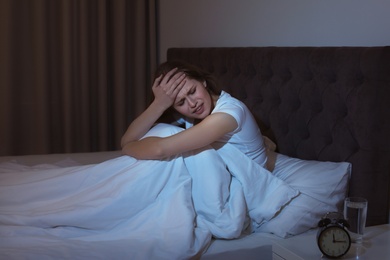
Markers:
point(247, 136)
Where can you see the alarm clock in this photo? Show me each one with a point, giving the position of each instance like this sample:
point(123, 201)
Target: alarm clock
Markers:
point(333, 238)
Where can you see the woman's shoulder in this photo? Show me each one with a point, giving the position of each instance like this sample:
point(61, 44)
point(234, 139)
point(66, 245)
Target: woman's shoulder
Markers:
point(232, 106)
point(228, 101)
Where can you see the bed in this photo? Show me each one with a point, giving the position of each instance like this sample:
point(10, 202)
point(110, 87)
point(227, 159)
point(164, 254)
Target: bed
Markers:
point(325, 108)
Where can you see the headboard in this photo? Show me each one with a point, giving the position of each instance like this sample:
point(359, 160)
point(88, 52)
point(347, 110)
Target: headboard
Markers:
point(317, 103)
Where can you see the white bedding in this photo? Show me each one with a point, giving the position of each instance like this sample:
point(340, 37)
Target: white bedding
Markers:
point(129, 209)
point(107, 206)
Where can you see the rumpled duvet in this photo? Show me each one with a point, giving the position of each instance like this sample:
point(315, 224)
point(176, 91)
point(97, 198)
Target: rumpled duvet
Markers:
point(135, 209)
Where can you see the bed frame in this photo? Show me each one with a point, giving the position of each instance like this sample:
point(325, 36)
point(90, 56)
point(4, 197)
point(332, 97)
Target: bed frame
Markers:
point(316, 103)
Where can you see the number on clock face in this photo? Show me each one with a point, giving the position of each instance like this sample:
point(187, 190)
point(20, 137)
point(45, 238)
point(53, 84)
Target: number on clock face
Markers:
point(334, 241)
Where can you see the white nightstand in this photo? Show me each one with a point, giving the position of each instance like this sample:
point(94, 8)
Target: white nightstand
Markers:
point(376, 245)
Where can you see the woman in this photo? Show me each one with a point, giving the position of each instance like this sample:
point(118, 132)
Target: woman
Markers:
point(210, 115)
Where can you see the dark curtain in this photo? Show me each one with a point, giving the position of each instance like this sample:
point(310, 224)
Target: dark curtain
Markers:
point(73, 73)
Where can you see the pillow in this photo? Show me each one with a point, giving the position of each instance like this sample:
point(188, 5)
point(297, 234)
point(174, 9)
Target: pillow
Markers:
point(323, 187)
point(163, 130)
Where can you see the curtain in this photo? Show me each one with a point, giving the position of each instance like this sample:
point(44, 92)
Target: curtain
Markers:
point(73, 73)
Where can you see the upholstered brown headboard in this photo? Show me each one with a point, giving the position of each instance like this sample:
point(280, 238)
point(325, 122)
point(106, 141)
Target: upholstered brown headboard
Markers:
point(320, 103)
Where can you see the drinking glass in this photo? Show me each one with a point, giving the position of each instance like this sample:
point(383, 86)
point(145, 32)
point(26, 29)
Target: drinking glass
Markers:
point(355, 212)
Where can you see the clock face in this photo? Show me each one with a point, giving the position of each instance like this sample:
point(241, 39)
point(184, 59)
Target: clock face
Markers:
point(334, 241)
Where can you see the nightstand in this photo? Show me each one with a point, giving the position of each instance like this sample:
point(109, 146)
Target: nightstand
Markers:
point(376, 245)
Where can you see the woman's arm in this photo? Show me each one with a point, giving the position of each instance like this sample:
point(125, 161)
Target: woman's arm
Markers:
point(165, 90)
point(206, 132)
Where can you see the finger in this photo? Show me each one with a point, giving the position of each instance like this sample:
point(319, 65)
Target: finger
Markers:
point(182, 83)
point(170, 86)
point(177, 78)
point(177, 89)
point(176, 81)
point(168, 76)
point(157, 81)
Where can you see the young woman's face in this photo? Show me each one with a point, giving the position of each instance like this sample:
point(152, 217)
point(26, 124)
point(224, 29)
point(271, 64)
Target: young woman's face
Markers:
point(193, 100)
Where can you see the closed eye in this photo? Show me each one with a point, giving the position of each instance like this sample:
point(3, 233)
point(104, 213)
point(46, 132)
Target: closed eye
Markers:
point(190, 92)
point(180, 102)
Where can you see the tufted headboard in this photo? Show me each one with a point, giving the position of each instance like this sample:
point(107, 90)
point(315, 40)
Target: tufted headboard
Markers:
point(317, 103)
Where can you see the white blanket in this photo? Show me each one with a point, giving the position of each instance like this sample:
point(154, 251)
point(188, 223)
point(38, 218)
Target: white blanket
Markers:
point(135, 209)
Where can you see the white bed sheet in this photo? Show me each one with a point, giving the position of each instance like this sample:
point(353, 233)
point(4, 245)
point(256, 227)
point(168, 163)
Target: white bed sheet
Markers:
point(62, 159)
point(52, 246)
